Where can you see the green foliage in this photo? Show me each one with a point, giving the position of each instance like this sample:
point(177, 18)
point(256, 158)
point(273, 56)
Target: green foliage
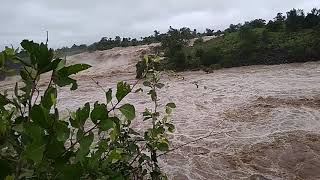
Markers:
point(36, 143)
point(286, 39)
point(7, 59)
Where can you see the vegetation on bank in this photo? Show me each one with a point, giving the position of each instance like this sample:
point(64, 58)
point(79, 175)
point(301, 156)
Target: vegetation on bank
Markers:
point(108, 43)
point(291, 38)
point(94, 142)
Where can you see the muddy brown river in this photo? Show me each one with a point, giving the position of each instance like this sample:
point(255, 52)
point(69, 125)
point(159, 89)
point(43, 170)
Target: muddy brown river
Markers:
point(263, 121)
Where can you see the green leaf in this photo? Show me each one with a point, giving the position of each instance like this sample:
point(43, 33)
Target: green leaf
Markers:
point(105, 124)
point(171, 105)
point(61, 65)
point(34, 131)
point(163, 146)
point(3, 100)
point(64, 81)
point(54, 149)
point(123, 89)
point(171, 127)
point(115, 155)
point(39, 116)
point(72, 171)
point(128, 111)
point(81, 116)
point(109, 96)
point(99, 112)
point(84, 149)
point(114, 134)
point(73, 69)
point(34, 152)
point(62, 76)
point(153, 95)
point(49, 98)
point(168, 110)
point(52, 65)
point(62, 131)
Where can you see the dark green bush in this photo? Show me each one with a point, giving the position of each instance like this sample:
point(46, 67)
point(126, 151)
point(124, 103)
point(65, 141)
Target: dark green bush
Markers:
point(212, 56)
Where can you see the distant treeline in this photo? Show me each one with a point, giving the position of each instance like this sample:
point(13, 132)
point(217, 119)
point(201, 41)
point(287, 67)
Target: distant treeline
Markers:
point(109, 43)
point(294, 37)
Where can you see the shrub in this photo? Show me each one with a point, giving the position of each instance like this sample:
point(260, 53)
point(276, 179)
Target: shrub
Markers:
point(198, 41)
point(213, 56)
point(37, 144)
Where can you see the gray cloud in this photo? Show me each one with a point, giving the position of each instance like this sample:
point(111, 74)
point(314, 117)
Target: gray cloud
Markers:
point(83, 21)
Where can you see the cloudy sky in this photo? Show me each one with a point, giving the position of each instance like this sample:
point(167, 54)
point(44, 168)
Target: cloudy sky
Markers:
point(86, 21)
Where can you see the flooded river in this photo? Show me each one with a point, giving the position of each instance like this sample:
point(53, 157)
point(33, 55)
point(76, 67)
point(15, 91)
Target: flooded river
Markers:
point(263, 121)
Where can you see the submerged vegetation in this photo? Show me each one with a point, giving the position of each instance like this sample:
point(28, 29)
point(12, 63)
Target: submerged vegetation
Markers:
point(94, 142)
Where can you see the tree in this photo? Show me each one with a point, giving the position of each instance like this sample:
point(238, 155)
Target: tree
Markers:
point(312, 19)
point(280, 17)
point(257, 23)
point(278, 24)
point(295, 20)
point(209, 32)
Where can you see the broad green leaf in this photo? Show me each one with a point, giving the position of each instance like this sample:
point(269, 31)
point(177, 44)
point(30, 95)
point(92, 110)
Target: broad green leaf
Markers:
point(61, 65)
point(62, 131)
point(99, 112)
point(171, 127)
point(128, 111)
point(72, 171)
point(115, 155)
point(35, 132)
point(49, 98)
point(34, 152)
point(123, 89)
point(105, 124)
point(163, 146)
point(81, 115)
point(84, 149)
point(52, 65)
point(62, 76)
point(3, 100)
point(114, 134)
point(40, 116)
point(168, 110)
point(109, 96)
point(153, 95)
point(64, 81)
point(73, 69)
point(54, 149)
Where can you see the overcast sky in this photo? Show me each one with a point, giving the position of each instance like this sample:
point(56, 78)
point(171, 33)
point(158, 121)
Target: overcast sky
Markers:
point(86, 21)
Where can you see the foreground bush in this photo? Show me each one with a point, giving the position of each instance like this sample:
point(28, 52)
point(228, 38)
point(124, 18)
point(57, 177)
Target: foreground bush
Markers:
point(37, 143)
